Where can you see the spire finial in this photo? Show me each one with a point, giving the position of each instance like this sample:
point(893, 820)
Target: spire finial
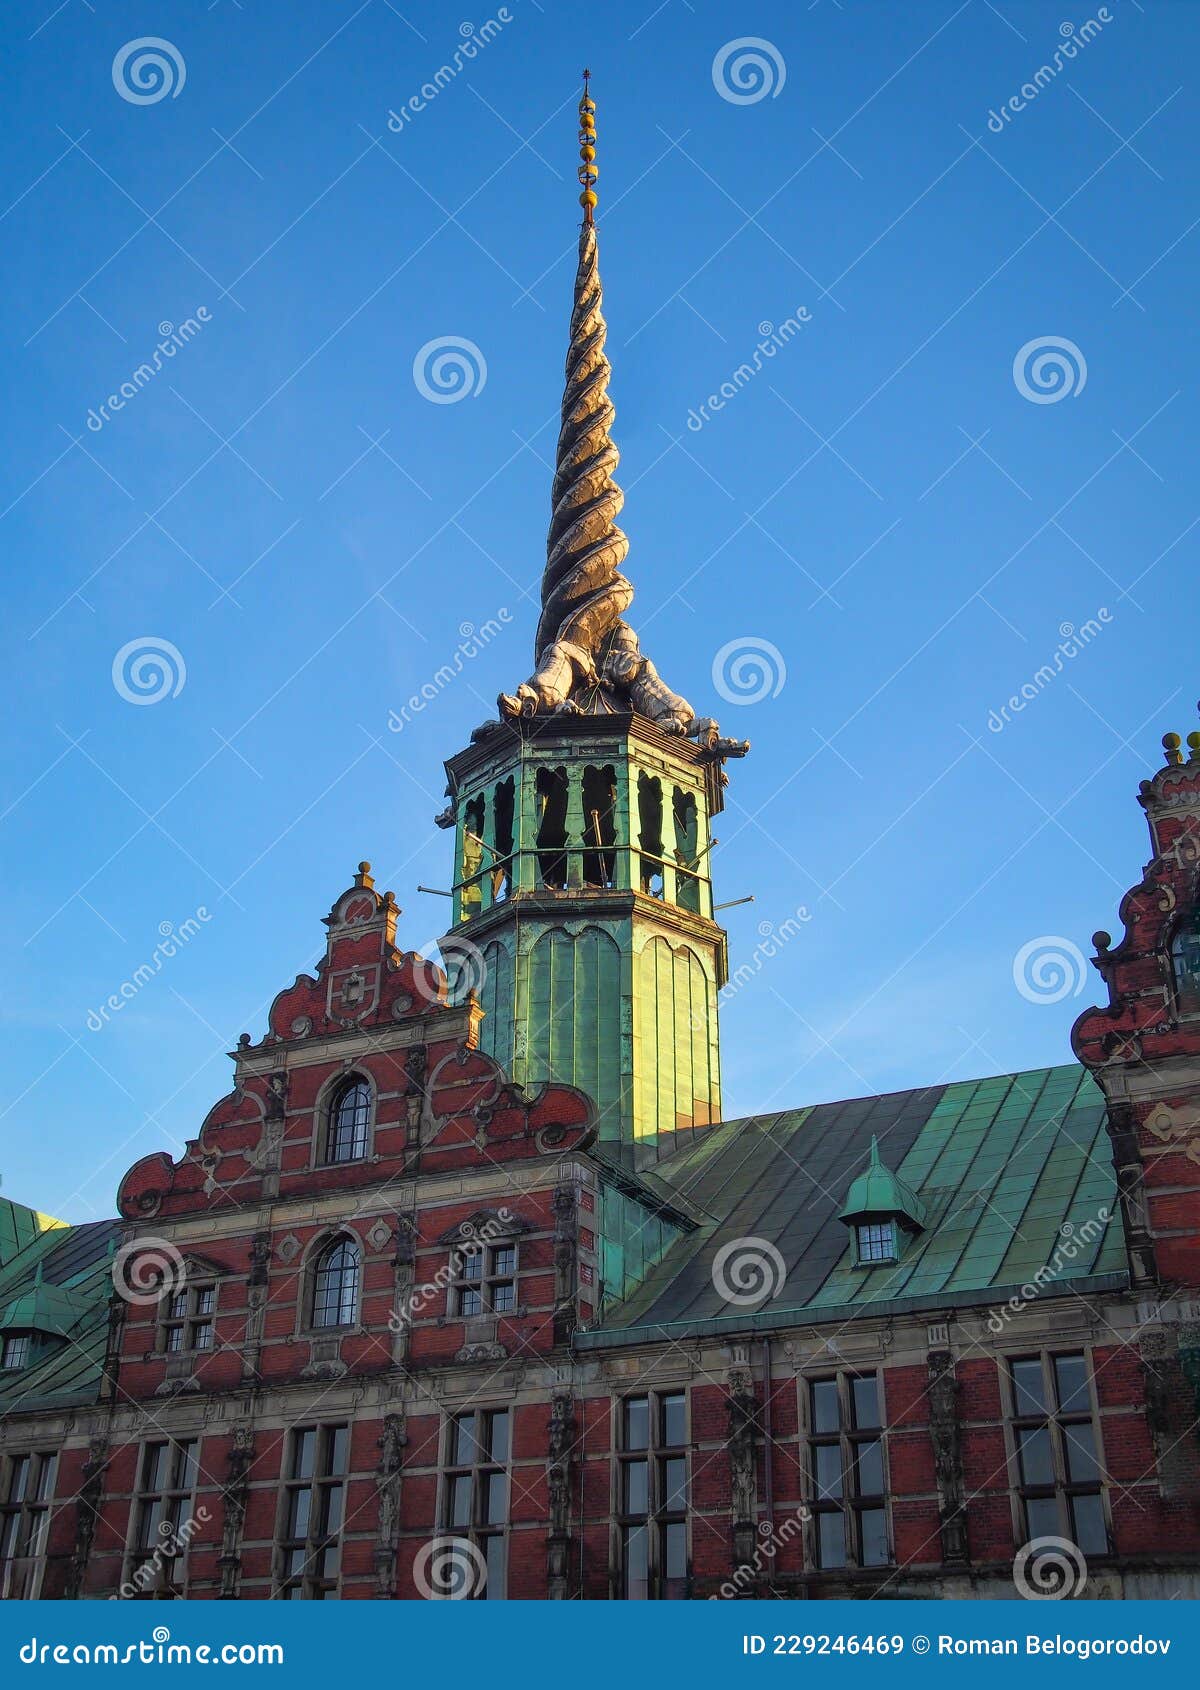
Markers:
point(587, 151)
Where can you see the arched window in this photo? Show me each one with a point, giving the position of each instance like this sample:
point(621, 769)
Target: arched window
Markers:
point(335, 1284)
point(1185, 960)
point(349, 1115)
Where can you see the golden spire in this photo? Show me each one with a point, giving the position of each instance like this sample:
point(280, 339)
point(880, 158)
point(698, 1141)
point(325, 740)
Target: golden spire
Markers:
point(587, 151)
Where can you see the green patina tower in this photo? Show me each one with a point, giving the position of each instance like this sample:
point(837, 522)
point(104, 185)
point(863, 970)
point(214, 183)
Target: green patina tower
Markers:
point(583, 909)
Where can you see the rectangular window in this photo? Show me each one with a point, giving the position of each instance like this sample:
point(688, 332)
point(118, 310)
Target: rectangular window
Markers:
point(652, 1492)
point(313, 1505)
point(186, 1319)
point(475, 1497)
point(1056, 1450)
point(876, 1241)
point(485, 1281)
point(846, 1471)
point(28, 1489)
point(15, 1352)
point(162, 1513)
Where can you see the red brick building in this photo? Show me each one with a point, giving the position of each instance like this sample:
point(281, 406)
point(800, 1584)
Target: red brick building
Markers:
point(467, 1289)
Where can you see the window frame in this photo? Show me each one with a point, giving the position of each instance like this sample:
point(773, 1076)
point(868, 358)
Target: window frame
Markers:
point(490, 1537)
point(1185, 985)
point(25, 1520)
point(851, 1503)
point(196, 1316)
point(162, 1498)
point(314, 1291)
point(22, 1342)
point(488, 1281)
point(1063, 1490)
point(330, 1152)
point(324, 1480)
point(665, 1510)
point(888, 1238)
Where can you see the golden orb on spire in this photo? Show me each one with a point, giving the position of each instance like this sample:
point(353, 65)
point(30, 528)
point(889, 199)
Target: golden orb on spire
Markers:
point(588, 171)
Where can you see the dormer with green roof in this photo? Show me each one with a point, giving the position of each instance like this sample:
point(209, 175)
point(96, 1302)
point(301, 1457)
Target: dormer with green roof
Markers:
point(882, 1211)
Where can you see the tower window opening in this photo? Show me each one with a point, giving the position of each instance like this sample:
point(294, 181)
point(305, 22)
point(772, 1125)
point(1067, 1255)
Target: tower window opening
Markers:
point(650, 827)
point(599, 825)
point(552, 828)
point(683, 812)
point(501, 863)
point(1185, 962)
point(472, 855)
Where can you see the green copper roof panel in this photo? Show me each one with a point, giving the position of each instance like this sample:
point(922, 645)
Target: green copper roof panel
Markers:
point(1014, 1175)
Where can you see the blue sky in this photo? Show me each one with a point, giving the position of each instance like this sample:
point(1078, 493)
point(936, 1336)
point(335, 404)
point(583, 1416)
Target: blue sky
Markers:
point(880, 501)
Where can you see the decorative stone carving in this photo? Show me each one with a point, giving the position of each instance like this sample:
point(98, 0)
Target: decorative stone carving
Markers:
point(559, 1470)
point(387, 1484)
point(566, 1262)
point(944, 1433)
point(235, 1494)
point(744, 1430)
point(87, 1515)
point(256, 1303)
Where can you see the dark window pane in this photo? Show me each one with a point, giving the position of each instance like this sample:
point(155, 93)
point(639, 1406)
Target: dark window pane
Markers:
point(1090, 1532)
point(470, 1303)
point(302, 1454)
point(1042, 1518)
point(674, 1420)
point(459, 1508)
point(504, 1262)
point(339, 1449)
point(1079, 1446)
point(202, 1335)
point(156, 1468)
point(637, 1422)
point(296, 1562)
point(465, 1452)
point(869, 1469)
point(174, 1339)
point(178, 1306)
point(831, 1540)
point(45, 1483)
point(872, 1525)
point(298, 1513)
point(498, 1435)
point(636, 1499)
point(1037, 1465)
point(331, 1525)
point(1028, 1387)
point(864, 1394)
point(496, 1502)
point(828, 1465)
point(504, 1298)
point(675, 1551)
point(826, 1415)
point(635, 1563)
point(494, 1554)
point(205, 1298)
point(1070, 1373)
point(674, 1484)
point(472, 1265)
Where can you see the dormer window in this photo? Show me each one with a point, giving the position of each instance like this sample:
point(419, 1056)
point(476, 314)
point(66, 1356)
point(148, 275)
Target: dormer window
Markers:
point(876, 1241)
point(1185, 962)
point(349, 1119)
point(15, 1351)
